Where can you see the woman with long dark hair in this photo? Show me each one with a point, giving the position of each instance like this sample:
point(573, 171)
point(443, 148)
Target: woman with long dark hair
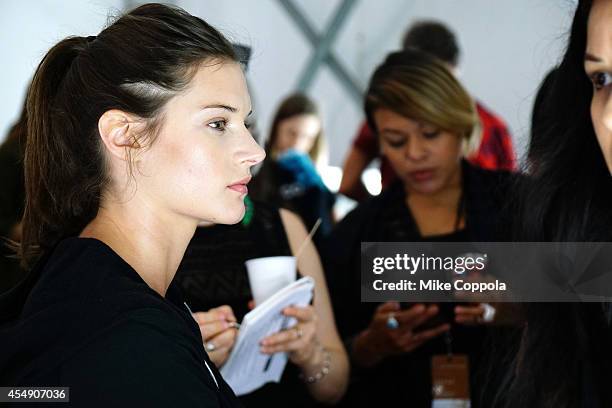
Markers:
point(134, 137)
point(565, 351)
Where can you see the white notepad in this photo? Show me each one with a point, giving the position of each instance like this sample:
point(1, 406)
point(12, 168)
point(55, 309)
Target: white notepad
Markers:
point(247, 369)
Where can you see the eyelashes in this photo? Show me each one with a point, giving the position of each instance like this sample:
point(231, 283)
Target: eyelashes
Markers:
point(600, 80)
point(218, 125)
point(431, 135)
point(396, 144)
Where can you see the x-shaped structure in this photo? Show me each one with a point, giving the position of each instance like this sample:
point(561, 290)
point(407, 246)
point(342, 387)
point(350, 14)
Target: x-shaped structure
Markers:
point(323, 53)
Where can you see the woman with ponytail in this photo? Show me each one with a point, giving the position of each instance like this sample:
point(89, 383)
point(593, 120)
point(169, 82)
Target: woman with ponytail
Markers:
point(134, 137)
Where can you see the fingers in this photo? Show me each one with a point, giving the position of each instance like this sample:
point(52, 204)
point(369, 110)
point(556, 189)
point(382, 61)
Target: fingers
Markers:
point(224, 340)
point(469, 314)
point(214, 321)
point(303, 314)
point(469, 310)
point(219, 313)
point(416, 315)
point(292, 339)
point(388, 307)
point(210, 330)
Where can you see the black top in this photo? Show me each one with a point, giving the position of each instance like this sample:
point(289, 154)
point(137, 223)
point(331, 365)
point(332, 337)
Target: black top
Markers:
point(404, 380)
point(85, 319)
point(212, 274)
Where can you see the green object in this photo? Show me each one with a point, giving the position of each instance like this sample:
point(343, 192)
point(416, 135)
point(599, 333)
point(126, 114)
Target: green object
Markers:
point(250, 211)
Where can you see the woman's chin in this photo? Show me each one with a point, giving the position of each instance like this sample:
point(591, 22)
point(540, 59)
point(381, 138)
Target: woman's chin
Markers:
point(233, 214)
point(425, 188)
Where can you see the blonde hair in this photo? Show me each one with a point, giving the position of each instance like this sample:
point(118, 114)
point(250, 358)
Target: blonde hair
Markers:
point(418, 86)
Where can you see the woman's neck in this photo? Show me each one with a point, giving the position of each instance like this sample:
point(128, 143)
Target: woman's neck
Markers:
point(152, 242)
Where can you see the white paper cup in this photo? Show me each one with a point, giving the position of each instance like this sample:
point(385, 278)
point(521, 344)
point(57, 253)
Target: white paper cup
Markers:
point(269, 275)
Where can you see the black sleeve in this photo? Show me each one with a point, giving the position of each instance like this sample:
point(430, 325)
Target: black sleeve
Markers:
point(140, 362)
point(341, 256)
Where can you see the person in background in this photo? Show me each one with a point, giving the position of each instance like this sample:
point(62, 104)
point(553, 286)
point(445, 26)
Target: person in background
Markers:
point(213, 279)
point(288, 177)
point(424, 120)
point(134, 137)
point(494, 152)
point(12, 200)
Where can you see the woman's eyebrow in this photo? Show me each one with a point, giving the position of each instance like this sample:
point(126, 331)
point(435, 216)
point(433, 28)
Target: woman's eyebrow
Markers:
point(221, 106)
point(392, 132)
point(591, 57)
point(225, 107)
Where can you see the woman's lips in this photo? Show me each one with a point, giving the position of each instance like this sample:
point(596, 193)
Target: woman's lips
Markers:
point(241, 188)
point(421, 175)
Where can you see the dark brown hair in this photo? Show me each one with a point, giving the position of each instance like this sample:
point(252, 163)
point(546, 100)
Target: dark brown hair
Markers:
point(135, 65)
point(294, 105)
point(434, 38)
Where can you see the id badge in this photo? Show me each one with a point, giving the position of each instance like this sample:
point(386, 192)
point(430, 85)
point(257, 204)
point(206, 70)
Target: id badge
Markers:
point(450, 380)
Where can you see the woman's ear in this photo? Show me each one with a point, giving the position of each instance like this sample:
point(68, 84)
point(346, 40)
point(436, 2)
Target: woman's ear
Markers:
point(119, 132)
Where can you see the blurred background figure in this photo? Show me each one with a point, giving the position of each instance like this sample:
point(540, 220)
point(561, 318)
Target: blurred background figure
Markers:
point(12, 200)
point(289, 176)
point(424, 121)
point(494, 150)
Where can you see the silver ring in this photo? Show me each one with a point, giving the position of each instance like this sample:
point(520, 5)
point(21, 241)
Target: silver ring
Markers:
point(489, 313)
point(392, 322)
point(298, 332)
point(210, 347)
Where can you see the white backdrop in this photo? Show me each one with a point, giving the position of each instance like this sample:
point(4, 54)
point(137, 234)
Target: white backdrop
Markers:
point(508, 45)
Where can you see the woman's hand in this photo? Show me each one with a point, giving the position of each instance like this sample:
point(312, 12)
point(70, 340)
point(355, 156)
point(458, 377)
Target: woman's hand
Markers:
point(380, 340)
point(497, 314)
point(218, 328)
point(299, 341)
point(471, 315)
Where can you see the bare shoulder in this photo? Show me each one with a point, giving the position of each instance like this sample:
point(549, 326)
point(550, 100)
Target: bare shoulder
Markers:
point(294, 227)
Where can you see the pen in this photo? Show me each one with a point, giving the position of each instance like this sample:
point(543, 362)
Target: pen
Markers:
point(234, 325)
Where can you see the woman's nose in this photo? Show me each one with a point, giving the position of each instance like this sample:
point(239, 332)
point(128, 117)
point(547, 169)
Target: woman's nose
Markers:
point(415, 149)
point(251, 153)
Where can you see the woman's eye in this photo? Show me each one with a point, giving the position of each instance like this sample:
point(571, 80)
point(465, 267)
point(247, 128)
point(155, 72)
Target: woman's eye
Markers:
point(396, 143)
point(431, 135)
point(601, 80)
point(218, 125)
